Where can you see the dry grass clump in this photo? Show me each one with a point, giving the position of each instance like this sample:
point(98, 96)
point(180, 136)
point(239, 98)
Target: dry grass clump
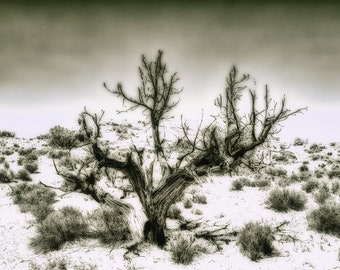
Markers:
point(174, 212)
point(184, 248)
point(32, 197)
point(199, 198)
point(110, 226)
point(7, 134)
point(325, 219)
point(187, 203)
point(6, 176)
point(323, 194)
point(23, 175)
point(276, 171)
point(256, 241)
point(67, 224)
point(283, 200)
point(31, 167)
point(310, 185)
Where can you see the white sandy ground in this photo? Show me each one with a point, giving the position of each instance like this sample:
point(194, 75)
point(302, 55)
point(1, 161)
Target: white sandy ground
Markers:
point(311, 251)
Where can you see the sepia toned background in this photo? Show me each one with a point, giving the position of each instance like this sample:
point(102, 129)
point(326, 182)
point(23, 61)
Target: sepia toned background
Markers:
point(55, 56)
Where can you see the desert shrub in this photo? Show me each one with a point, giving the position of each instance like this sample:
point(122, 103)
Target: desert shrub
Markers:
point(110, 226)
point(300, 177)
point(31, 157)
point(187, 203)
point(303, 168)
point(298, 142)
point(334, 172)
point(325, 219)
point(315, 148)
point(276, 171)
point(28, 196)
point(6, 176)
point(237, 185)
point(281, 158)
point(2, 159)
point(20, 161)
point(310, 185)
point(322, 195)
point(7, 134)
point(261, 183)
point(184, 248)
point(315, 157)
point(67, 224)
point(318, 173)
point(31, 167)
point(8, 152)
point(174, 212)
point(199, 198)
point(57, 154)
point(25, 151)
point(335, 187)
point(63, 138)
point(283, 200)
point(23, 175)
point(41, 210)
point(256, 241)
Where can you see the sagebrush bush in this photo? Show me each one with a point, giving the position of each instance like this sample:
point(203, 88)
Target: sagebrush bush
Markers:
point(298, 142)
point(261, 183)
point(325, 219)
point(2, 159)
point(237, 185)
point(283, 200)
point(303, 168)
point(63, 138)
point(310, 185)
point(6, 176)
point(276, 171)
point(8, 152)
point(7, 134)
point(174, 212)
point(31, 167)
point(322, 195)
point(29, 196)
point(23, 175)
point(110, 226)
point(25, 151)
point(256, 241)
point(187, 203)
point(334, 173)
point(67, 224)
point(41, 210)
point(199, 198)
point(184, 248)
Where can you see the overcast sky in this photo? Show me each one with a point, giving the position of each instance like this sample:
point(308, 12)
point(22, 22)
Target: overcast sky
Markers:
point(55, 58)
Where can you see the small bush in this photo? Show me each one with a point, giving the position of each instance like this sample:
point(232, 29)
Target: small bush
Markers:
point(256, 241)
point(334, 173)
point(2, 159)
point(276, 171)
point(23, 175)
point(298, 142)
point(41, 210)
point(325, 219)
point(31, 167)
point(174, 212)
point(110, 226)
point(283, 200)
point(237, 185)
point(322, 195)
point(310, 185)
point(62, 137)
point(187, 203)
point(67, 224)
point(30, 196)
point(199, 198)
point(6, 176)
point(261, 183)
point(7, 134)
point(184, 248)
point(335, 187)
point(8, 152)
point(318, 173)
point(304, 168)
point(25, 151)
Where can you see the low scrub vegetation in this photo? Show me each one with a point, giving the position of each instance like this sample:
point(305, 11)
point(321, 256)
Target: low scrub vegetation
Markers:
point(323, 194)
point(31, 167)
point(32, 196)
point(283, 200)
point(110, 226)
point(199, 198)
point(23, 175)
point(310, 185)
point(184, 248)
point(7, 134)
point(61, 137)
point(325, 219)
point(67, 224)
point(276, 171)
point(174, 212)
point(256, 241)
point(6, 176)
